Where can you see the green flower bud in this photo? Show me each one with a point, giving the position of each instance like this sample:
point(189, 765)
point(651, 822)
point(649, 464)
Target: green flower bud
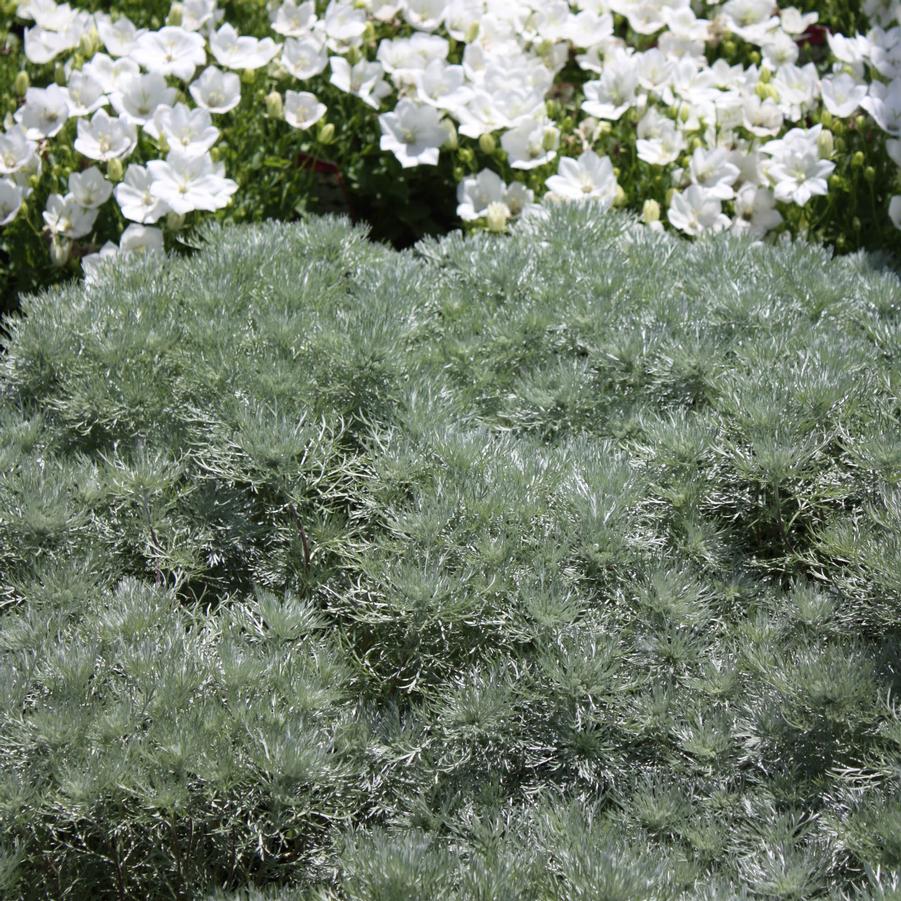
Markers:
point(754, 57)
point(114, 169)
point(551, 139)
point(89, 43)
point(826, 118)
point(619, 198)
point(855, 224)
point(59, 74)
point(163, 143)
point(650, 211)
point(452, 142)
point(176, 14)
point(825, 144)
point(22, 83)
point(860, 120)
point(765, 75)
point(248, 76)
point(838, 127)
point(175, 221)
point(729, 48)
point(552, 107)
point(60, 248)
point(369, 35)
point(471, 33)
point(869, 174)
point(326, 133)
point(836, 182)
point(857, 159)
point(466, 155)
point(839, 144)
point(274, 106)
point(487, 144)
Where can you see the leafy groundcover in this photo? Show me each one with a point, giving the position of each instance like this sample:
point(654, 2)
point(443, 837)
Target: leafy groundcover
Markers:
point(558, 565)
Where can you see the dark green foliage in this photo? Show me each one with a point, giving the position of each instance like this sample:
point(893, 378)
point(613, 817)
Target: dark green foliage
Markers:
point(562, 565)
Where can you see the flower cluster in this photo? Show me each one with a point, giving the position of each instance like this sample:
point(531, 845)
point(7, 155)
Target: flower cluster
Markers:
point(534, 102)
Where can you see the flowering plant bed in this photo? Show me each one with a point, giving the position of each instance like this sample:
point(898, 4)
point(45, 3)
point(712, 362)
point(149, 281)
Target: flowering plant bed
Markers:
point(562, 564)
point(126, 127)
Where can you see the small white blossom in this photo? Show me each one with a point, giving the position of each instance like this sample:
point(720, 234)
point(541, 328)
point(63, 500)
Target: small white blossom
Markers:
point(44, 112)
point(89, 188)
point(188, 130)
point(17, 151)
point(295, 19)
point(586, 176)
point(842, 95)
point(170, 51)
point(796, 170)
point(694, 211)
point(11, 197)
point(141, 239)
point(105, 137)
point(305, 57)
point(135, 198)
point(188, 183)
point(216, 91)
point(413, 133)
point(66, 218)
point(141, 96)
point(236, 51)
point(303, 109)
point(530, 144)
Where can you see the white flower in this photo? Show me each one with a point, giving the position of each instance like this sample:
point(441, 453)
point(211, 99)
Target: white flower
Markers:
point(197, 14)
point(141, 239)
point(883, 103)
point(364, 79)
point(413, 133)
point(894, 211)
point(44, 112)
point(842, 95)
point(92, 263)
point(614, 92)
point(486, 196)
point(66, 218)
point(236, 51)
point(587, 176)
point(659, 140)
point(762, 117)
point(532, 143)
point(712, 170)
point(135, 198)
point(216, 91)
point(188, 130)
point(84, 94)
point(105, 137)
point(442, 85)
point(141, 96)
point(118, 36)
point(89, 188)
point(302, 109)
point(189, 183)
point(305, 57)
point(344, 25)
point(17, 152)
point(796, 168)
point(43, 45)
point(694, 211)
point(755, 211)
point(796, 22)
point(294, 20)
point(424, 15)
point(112, 74)
point(170, 51)
point(11, 197)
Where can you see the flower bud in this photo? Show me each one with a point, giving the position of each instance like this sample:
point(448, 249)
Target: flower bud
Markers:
point(551, 139)
point(754, 57)
point(869, 174)
point(619, 198)
point(114, 169)
point(839, 143)
point(855, 223)
point(669, 195)
point(274, 106)
point(857, 159)
point(825, 144)
point(729, 48)
point(22, 83)
point(838, 127)
point(369, 35)
point(684, 112)
point(465, 154)
point(89, 43)
point(60, 248)
point(496, 216)
point(826, 118)
point(452, 142)
point(487, 144)
point(59, 75)
point(458, 173)
point(836, 182)
point(471, 33)
point(860, 120)
point(326, 133)
point(176, 14)
point(175, 221)
point(552, 107)
point(162, 143)
point(650, 211)
point(248, 76)
point(765, 75)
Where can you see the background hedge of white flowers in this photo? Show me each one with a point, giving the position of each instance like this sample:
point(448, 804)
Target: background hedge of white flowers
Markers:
point(124, 127)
